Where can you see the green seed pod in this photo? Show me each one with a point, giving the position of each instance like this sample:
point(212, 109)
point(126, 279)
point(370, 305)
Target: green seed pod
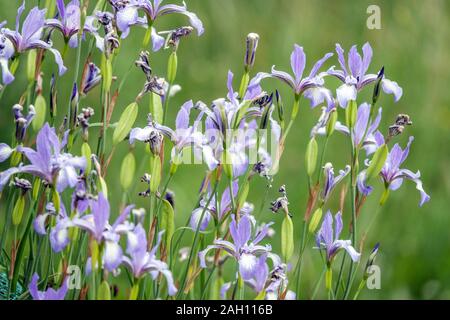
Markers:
point(350, 113)
point(243, 193)
point(36, 188)
point(156, 174)
point(104, 291)
point(86, 152)
point(167, 223)
point(311, 156)
point(331, 123)
point(106, 68)
point(50, 5)
point(287, 238)
point(134, 292)
point(31, 65)
point(172, 67)
point(156, 107)
point(125, 123)
point(315, 220)
point(377, 163)
point(101, 185)
point(40, 106)
point(56, 200)
point(226, 161)
point(127, 171)
point(17, 213)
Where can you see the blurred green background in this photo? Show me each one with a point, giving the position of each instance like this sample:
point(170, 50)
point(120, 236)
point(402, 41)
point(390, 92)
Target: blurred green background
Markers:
point(412, 45)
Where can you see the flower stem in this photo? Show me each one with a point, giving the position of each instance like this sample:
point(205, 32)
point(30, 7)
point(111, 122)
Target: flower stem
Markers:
point(194, 242)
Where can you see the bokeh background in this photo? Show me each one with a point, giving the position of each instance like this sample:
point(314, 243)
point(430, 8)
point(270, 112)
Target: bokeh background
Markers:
point(412, 45)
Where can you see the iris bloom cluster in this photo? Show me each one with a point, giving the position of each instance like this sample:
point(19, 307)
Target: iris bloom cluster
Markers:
point(59, 190)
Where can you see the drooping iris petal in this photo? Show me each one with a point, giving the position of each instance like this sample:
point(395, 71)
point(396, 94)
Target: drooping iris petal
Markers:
point(392, 87)
point(346, 93)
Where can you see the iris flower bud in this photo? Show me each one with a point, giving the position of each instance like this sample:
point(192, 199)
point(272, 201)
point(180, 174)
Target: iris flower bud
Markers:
point(376, 89)
point(252, 45)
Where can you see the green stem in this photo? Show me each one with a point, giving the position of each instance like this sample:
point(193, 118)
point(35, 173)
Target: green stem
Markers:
point(194, 242)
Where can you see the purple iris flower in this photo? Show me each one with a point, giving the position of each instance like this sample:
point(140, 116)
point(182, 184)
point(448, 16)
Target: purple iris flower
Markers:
point(365, 131)
point(224, 207)
point(232, 123)
point(127, 16)
point(331, 181)
point(310, 86)
point(354, 75)
point(49, 294)
point(97, 224)
point(90, 79)
point(328, 239)
point(244, 249)
point(59, 234)
point(29, 37)
point(393, 175)
point(69, 21)
point(140, 261)
point(6, 53)
point(182, 137)
point(48, 162)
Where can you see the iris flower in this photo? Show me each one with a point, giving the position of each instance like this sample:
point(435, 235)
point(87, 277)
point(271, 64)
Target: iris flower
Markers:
point(97, 224)
point(49, 294)
point(140, 261)
point(393, 175)
point(127, 16)
point(328, 239)
point(29, 36)
point(244, 248)
point(48, 161)
point(354, 75)
point(364, 132)
point(59, 234)
point(311, 86)
point(224, 207)
point(330, 180)
point(69, 21)
point(182, 137)
point(6, 53)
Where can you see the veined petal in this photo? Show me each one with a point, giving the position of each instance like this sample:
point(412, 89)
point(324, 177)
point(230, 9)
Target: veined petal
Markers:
point(5, 152)
point(193, 19)
point(362, 120)
point(112, 256)
point(247, 265)
point(319, 64)
point(367, 58)
point(341, 58)
point(392, 87)
point(6, 175)
point(298, 62)
point(39, 224)
point(157, 40)
point(345, 93)
point(415, 177)
point(140, 134)
point(354, 61)
point(7, 76)
point(346, 245)
point(285, 77)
